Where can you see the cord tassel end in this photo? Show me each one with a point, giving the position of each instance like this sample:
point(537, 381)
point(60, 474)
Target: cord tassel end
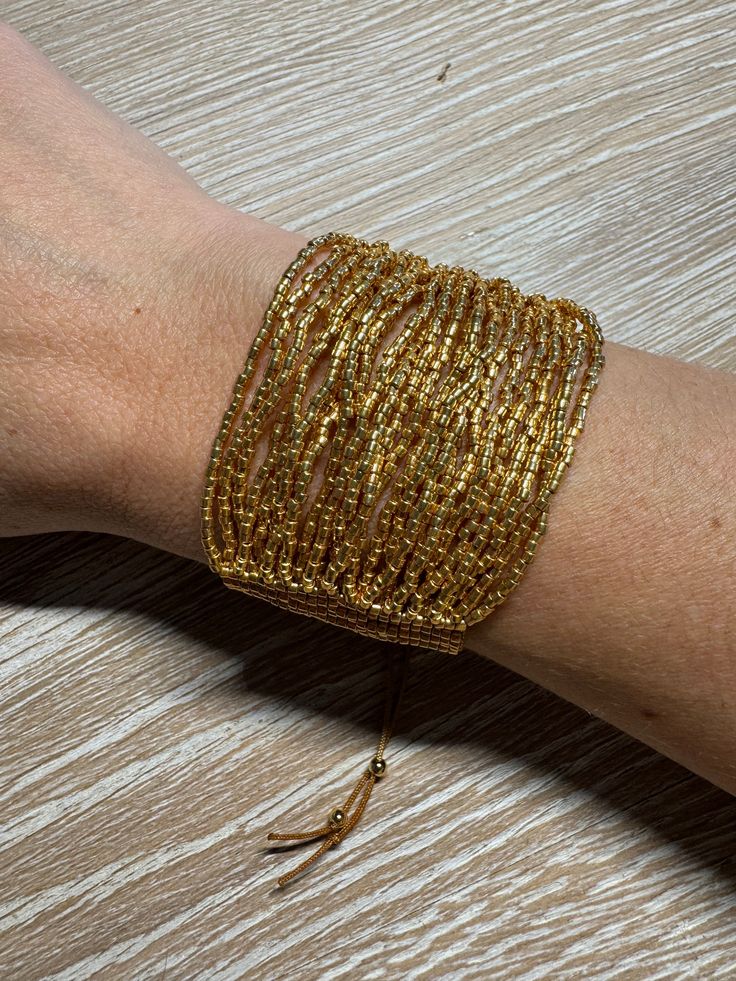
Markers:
point(341, 820)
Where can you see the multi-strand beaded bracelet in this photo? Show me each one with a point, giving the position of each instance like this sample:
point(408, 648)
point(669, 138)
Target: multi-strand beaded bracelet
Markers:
point(390, 451)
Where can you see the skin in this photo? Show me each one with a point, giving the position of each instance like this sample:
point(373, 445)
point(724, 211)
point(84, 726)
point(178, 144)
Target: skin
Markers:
point(128, 300)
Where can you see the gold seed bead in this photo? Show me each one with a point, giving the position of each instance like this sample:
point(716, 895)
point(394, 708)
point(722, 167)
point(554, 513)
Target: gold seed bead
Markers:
point(443, 433)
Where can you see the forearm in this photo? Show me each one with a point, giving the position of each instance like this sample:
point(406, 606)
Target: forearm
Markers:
point(627, 607)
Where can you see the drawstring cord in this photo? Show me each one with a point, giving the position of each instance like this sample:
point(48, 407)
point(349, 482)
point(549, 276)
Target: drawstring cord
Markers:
point(341, 820)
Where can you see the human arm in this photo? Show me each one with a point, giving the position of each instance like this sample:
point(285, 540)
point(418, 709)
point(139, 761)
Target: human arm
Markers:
point(129, 301)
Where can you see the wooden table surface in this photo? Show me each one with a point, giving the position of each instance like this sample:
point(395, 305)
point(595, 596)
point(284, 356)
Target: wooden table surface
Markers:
point(155, 725)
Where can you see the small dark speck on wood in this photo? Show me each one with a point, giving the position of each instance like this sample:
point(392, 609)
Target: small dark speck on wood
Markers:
point(443, 74)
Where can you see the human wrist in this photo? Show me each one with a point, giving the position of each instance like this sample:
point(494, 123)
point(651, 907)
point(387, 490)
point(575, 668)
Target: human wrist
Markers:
point(184, 383)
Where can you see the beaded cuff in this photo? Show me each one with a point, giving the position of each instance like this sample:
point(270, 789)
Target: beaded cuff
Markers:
point(418, 420)
point(389, 454)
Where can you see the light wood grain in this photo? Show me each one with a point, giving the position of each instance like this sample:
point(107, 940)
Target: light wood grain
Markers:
point(155, 726)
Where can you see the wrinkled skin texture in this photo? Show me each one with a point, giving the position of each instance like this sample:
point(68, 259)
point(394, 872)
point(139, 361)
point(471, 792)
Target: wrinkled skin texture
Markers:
point(128, 299)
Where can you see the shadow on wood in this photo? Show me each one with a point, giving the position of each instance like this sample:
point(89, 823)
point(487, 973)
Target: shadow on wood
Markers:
point(331, 672)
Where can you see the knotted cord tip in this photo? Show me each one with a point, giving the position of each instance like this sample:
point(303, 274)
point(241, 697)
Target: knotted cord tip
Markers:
point(342, 819)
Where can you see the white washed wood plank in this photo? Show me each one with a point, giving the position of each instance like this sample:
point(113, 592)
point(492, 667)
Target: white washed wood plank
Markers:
point(156, 726)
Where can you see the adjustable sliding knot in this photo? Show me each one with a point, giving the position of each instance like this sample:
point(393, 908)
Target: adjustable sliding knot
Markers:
point(342, 819)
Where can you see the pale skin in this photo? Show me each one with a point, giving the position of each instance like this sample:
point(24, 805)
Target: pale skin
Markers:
point(128, 300)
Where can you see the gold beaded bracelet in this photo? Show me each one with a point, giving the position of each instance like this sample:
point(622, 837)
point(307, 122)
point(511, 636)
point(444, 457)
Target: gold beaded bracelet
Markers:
point(388, 457)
